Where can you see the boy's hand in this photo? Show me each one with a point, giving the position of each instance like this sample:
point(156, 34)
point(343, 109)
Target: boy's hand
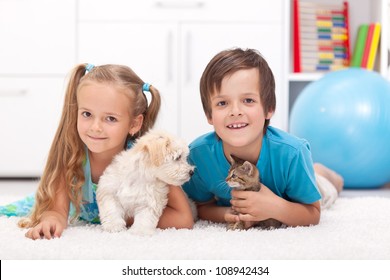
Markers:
point(231, 216)
point(254, 206)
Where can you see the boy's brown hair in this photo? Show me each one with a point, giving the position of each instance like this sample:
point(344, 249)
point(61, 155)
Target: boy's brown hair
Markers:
point(228, 62)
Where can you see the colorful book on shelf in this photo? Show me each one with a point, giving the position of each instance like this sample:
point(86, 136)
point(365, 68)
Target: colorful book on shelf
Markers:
point(358, 51)
point(367, 45)
point(374, 46)
point(320, 32)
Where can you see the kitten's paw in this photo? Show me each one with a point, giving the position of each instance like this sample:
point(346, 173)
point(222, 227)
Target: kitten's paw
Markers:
point(235, 226)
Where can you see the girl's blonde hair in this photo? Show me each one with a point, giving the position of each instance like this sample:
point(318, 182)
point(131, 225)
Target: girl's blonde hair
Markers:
point(67, 152)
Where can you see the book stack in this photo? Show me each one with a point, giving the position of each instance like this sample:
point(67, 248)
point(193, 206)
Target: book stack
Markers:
point(321, 36)
point(366, 46)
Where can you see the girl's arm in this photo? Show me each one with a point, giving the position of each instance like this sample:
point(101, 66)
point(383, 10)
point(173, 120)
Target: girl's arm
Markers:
point(212, 212)
point(178, 213)
point(53, 222)
point(262, 205)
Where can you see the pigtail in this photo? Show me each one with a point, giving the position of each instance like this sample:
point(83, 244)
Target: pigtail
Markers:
point(151, 113)
point(64, 164)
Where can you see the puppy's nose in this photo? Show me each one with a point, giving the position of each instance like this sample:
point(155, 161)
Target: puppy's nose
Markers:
point(191, 172)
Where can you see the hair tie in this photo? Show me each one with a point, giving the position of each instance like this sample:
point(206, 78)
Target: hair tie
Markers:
point(89, 67)
point(146, 87)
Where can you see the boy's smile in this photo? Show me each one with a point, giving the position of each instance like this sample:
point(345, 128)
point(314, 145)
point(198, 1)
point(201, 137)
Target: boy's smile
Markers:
point(237, 113)
point(237, 125)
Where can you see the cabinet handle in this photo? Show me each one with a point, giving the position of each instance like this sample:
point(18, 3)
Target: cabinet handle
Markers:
point(188, 57)
point(13, 92)
point(169, 57)
point(179, 4)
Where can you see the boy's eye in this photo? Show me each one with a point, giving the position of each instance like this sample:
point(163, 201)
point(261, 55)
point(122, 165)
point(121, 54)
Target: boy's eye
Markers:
point(86, 114)
point(248, 100)
point(111, 119)
point(221, 103)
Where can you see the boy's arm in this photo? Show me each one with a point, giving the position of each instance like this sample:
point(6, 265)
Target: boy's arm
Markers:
point(258, 206)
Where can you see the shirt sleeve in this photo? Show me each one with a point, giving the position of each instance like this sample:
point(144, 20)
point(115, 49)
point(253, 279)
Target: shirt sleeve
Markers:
point(301, 183)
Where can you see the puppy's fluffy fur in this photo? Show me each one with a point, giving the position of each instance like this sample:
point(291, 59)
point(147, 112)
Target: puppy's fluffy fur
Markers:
point(136, 183)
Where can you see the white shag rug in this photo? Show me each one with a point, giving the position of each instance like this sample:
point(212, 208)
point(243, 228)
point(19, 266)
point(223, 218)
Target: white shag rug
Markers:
point(353, 228)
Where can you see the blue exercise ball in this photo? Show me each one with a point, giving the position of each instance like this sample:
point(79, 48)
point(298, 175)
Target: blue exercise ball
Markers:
point(345, 116)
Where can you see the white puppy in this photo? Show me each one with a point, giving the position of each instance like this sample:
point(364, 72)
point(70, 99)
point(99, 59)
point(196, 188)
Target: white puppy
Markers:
point(136, 183)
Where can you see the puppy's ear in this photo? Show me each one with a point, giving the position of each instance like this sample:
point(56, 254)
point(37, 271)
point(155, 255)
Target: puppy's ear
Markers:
point(157, 150)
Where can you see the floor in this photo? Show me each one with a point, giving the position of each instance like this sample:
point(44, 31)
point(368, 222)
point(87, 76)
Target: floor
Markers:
point(21, 188)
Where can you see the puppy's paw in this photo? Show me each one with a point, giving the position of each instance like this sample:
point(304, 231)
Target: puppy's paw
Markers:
point(142, 231)
point(114, 227)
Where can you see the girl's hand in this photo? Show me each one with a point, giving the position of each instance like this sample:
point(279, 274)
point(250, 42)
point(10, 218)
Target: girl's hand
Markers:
point(49, 227)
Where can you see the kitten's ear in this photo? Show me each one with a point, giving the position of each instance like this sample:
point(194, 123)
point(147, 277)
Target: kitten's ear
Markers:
point(231, 159)
point(234, 159)
point(248, 167)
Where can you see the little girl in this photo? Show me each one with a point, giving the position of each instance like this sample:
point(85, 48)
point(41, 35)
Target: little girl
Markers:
point(105, 110)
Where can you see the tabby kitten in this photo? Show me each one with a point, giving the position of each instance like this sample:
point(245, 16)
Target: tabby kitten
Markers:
point(245, 176)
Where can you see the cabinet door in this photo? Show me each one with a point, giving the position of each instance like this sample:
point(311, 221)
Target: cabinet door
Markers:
point(197, 52)
point(37, 37)
point(150, 49)
point(30, 110)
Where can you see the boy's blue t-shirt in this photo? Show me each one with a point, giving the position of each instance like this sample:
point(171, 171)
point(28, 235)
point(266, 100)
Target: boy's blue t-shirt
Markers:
point(285, 167)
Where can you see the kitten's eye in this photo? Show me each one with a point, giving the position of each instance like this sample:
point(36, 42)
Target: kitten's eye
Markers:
point(178, 158)
point(234, 175)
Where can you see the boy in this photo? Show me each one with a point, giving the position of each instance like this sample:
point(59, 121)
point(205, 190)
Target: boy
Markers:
point(238, 96)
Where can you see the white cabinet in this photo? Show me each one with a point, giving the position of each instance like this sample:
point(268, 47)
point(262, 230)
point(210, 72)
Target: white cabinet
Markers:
point(169, 43)
point(37, 50)
point(37, 36)
point(29, 113)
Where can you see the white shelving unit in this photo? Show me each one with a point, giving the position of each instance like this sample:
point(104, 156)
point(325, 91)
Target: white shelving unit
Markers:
point(360, 11)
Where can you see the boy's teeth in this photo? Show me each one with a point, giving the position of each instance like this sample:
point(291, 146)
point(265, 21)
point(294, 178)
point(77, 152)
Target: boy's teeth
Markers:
point(237, 125)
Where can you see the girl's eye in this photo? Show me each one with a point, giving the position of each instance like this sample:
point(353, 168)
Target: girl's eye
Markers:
point(221, 103)
point(111, 119)
point(86, 114)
